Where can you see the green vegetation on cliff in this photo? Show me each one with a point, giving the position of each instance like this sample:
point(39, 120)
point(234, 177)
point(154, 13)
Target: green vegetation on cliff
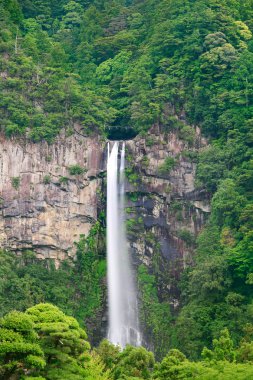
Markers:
point(83, 65)
point(77, 287)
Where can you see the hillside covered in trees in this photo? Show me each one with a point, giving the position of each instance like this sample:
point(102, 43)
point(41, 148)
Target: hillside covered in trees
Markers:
point(43, 343)
point(88, 66)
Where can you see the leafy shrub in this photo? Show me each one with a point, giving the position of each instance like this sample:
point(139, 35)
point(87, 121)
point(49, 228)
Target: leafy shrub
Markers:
point(63, 180)
point(211, 167)
point(47, 179)
point(133, 196)
point(190, 155)
point(187, 134)
point(76, 170)
point(48, 158)
point(187, 236)
point(145, 162)
point(132, 176)
point(15, 181)
point(167, 166)
point(134, 225)
point(150, 141)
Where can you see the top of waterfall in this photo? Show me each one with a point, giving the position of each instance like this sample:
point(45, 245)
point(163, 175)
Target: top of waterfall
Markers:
point(120, 133)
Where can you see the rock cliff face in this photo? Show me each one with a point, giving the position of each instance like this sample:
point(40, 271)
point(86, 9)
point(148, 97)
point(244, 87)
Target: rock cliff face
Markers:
point(43, 206)
point(46, 208)
point(165, 211)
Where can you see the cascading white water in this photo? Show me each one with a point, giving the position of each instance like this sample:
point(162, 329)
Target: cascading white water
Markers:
point(123, 306)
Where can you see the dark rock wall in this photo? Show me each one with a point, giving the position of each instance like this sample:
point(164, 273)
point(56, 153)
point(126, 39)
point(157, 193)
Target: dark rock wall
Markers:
point(164, 210)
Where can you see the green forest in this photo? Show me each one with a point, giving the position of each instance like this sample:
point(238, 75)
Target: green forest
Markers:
point(92, 65)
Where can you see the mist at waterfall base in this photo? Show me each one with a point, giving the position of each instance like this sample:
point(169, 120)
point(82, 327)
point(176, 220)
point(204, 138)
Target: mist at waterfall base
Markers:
point(122, 295)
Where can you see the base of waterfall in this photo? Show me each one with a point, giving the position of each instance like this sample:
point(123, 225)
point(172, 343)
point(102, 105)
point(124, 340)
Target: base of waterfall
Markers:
point(124, 337)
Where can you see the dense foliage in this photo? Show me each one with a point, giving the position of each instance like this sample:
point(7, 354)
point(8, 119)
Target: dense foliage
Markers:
point(43, 343)
point(84, 65)
point(77, 288)
point(155, 315)
point(127, 63)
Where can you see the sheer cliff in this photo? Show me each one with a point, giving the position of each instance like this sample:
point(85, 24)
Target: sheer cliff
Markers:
point(51, 193)
point(174, 79)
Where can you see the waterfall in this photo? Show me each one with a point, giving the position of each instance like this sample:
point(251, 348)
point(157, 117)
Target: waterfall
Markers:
point(123, 305)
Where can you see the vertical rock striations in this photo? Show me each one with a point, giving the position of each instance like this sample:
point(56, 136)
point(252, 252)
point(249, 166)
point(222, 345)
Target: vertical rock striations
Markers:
point(165, 210)
point(49, 194)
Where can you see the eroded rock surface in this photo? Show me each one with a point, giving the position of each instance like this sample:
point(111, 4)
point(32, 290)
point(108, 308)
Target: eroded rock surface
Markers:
point(46, 209)
point(165, 210)
point(43, 206)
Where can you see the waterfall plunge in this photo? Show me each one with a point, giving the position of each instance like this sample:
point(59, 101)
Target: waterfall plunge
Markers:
point(123, 308)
